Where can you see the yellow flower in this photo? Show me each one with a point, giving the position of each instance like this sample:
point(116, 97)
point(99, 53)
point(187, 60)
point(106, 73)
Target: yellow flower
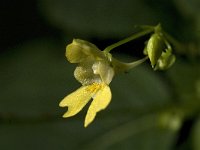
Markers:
point(95, 73)
point(96, 69)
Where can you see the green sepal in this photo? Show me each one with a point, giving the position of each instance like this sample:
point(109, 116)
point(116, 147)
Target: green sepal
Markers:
point(154, 48)
point(166, 60)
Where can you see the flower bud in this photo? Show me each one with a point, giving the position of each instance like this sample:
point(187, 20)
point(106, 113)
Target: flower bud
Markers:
point(165, 61)
point(154, 48)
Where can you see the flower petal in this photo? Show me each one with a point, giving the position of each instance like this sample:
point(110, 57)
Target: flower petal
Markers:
point(74, 53)
point(76, 101)
point(100, 102)
point(105, 71)
point(84, 73)
point(79, 50)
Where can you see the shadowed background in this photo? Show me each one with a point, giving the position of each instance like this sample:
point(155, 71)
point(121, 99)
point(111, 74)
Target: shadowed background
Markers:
point(35, 75)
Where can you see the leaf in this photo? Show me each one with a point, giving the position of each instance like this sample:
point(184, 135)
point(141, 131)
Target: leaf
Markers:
point(34, 79)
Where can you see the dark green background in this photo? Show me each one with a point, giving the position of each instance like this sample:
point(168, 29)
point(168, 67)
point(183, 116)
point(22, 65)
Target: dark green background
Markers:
point(35, 75)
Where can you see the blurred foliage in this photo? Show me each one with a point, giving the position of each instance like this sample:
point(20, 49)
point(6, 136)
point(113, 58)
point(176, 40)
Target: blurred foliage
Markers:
point(149, 110)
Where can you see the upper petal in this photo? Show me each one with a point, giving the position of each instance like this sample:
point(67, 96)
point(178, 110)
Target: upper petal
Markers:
point(100, 102)
point(74, 52)
point(79, 50)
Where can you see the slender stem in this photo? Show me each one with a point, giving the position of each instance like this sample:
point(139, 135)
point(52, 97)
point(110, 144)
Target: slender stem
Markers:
point(128, 39)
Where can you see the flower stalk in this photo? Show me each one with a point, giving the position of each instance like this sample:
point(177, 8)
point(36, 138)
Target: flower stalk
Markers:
point(128, 39)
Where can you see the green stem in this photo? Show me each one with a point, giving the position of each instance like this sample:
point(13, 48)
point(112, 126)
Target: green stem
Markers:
point(128, 39)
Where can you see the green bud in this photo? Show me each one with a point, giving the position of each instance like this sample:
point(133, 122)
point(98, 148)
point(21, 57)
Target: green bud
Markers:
point(166, 60)
point(154, 48)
